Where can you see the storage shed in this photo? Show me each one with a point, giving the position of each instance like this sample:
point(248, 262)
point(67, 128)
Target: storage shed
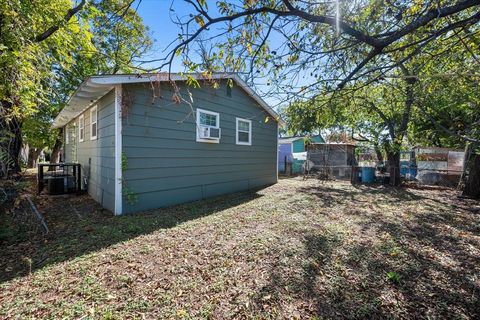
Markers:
point(150, 140)
point(338, 158)
point(442, 166)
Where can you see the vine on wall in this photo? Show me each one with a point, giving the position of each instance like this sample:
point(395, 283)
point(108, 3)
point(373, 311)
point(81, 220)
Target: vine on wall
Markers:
point(130, 195)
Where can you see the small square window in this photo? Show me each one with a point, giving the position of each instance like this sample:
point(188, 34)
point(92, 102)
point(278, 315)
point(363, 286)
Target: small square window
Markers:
point(207, 119)
point(244, 132)
point(208, 126)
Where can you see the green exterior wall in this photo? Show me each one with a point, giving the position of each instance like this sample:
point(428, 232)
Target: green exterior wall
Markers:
point(97, 157)
point(299, 146)
point(165, 164)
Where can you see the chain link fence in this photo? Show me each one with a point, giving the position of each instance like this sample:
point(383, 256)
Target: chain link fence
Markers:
point(381, 174)
point(425, 166)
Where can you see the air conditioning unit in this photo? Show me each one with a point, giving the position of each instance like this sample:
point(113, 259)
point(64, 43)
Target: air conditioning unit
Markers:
point(209, 133)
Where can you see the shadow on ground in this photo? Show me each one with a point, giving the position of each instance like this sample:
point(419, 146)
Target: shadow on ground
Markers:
point(78, 225)
point(397, 264)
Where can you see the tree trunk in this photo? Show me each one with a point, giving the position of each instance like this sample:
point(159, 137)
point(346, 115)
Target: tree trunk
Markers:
point(472, 185)
point(33, 154)
point(378, 152)
point(10, 141)
point(55, 157)
point(393, 158)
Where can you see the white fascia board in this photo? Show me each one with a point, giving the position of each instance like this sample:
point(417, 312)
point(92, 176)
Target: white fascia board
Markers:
point(86, 95)
point(95, 87)
point(151, 77)
point(140, 78)
point(257, 98)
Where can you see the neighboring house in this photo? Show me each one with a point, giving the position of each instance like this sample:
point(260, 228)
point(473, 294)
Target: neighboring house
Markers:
point(292, 150)
point(147, 141)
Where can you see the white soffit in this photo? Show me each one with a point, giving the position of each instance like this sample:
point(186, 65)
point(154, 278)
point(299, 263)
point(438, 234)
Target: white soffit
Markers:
point(95, 87)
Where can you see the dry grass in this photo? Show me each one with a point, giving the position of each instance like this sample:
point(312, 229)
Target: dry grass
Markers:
point(294, 250)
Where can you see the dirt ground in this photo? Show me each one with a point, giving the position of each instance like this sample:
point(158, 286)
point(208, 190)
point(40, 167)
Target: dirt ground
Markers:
point(296, 250)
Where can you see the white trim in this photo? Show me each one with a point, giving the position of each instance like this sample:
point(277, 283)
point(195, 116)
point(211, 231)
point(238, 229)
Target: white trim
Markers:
point(197, 124)
point(81, 127)
point(256, 97)
point(118, 151)
point(94, 108)
point(95, 87)
point(278, 150)
point(66, 132)
point(249, 143)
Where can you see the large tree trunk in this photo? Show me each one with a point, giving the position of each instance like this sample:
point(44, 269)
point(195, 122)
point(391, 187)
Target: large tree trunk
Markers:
point(393, 158)
point(378, 152)
point(55, 157)
point(472, 185)
point(10, 141)
point(33, 154)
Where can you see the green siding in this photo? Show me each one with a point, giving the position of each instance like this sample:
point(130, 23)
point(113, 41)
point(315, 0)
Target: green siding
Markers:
point(318, 139)
point(167, 166)
point(299, 145)
point(100, 170)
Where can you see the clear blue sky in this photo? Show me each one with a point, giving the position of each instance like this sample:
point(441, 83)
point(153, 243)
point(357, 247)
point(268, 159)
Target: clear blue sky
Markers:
point(156, 15)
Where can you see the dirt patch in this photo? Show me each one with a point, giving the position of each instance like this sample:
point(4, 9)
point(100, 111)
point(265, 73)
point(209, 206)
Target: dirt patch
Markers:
point(299, 249)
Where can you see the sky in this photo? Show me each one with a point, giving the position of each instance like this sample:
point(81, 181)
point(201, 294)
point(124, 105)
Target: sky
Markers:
point(156, 15)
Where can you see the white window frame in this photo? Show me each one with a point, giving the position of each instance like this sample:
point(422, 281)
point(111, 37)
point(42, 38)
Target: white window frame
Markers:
point(92, 111)
point(67, 134)
point(81, 128)
point(197, 123)
point(249, 143)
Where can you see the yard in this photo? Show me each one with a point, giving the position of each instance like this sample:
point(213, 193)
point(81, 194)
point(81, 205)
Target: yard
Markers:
point(298, 249)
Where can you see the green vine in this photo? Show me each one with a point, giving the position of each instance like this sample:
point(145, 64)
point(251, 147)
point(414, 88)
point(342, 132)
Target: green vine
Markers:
point(129, 194)
point(124, 162)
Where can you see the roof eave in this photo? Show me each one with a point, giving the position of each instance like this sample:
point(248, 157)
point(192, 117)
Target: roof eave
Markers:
point(95, 87)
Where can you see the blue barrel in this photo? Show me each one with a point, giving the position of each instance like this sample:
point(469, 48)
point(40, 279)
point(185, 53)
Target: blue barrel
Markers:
point(368, 174)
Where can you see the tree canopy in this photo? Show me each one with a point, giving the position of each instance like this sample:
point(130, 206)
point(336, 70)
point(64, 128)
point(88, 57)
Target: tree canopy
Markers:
point(372, 66)
point(49, 47)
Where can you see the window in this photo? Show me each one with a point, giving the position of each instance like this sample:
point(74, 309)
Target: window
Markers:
point(244, 131)
point(93, 123)
point(81, 128)
point(66, 132)
point(207, 119)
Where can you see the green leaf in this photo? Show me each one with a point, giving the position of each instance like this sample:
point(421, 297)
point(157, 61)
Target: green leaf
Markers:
point(199, 20)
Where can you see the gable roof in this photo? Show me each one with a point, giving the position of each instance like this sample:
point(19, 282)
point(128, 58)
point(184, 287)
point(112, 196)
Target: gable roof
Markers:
point(289, 139)
point(292, 139)
point(95, 87)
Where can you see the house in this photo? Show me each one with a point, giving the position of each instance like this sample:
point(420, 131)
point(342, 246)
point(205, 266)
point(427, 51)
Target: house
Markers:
point(148, 141)
point(292, 150)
